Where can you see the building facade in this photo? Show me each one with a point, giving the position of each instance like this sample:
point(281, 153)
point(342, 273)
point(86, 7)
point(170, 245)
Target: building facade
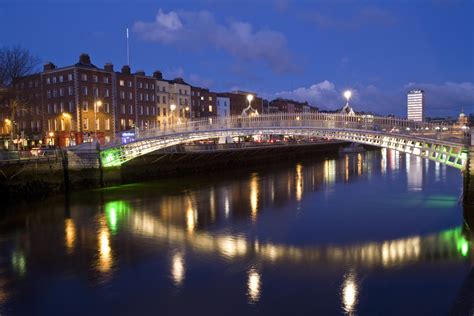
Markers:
point(203, 102)
point(223, 106)
point(238, 101)
point(290, 106)
point(416, 105)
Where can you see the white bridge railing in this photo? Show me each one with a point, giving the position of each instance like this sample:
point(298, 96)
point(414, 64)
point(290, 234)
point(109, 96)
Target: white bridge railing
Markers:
point(301, 120)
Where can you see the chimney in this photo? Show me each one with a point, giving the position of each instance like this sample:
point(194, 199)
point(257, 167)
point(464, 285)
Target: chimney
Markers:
point(49, 66)
point(109, 67)
point(126, 69)
point(140, 73)
point(85, 59)
point(157, 74)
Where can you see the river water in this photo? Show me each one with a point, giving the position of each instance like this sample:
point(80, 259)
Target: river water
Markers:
point(379, 233)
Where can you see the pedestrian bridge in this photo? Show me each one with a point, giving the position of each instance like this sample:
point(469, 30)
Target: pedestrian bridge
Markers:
point(441, 143)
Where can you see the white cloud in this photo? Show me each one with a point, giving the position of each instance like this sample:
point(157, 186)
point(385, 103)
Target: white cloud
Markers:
point(199, 30)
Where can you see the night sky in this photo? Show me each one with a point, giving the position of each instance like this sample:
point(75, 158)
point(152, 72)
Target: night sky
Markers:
point(305, 50)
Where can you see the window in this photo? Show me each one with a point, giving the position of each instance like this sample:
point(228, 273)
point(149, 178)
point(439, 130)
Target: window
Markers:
point(55, 93)
point(84, 90)
point(130, 109)
point(107, 124)
point(129, 84)
point(55, 125)
point(180, 91)
point(107, 139)
point(122, 123)
point(54, 79)
point(164, 111)
point(71, 90)
point(153, 97)
point(95, 92)
point(63, 125)
point(85, 106)
point(123, 109)
point(147, 110)
point(106, 79)
point(61, 107)
point(139, 84)
point(210, 108)
point(122, 95)
point(152, 87)
point(122, 83)
point(130, 96)
point(71, 106)
point(61, 92)
point(140, 96)
point(69, 77)
point(97, 124)
point(146, 85)
point(61, 78)
point(130, 123)
point(210, 98)
point(107, 93)
point(84, 77)
point(107, 108)
point(164, 99)
point(48, 94)
point(85, 124)
point(95, 78)
point(146, 96)
point(55, 108)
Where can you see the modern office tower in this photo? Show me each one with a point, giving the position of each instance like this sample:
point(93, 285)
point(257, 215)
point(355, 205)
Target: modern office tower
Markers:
point(416, 105)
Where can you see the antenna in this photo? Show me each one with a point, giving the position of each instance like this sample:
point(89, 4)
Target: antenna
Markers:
point(128, 50)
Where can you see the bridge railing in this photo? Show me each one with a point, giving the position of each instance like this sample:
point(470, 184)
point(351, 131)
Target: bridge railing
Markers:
point(295, 120)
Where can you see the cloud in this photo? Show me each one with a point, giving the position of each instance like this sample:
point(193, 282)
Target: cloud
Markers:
point(365, 17)
point(193, 79)
point(443, 99)
point(199, 30)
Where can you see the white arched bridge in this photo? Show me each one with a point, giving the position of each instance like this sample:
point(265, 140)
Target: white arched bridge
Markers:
point(441, 143)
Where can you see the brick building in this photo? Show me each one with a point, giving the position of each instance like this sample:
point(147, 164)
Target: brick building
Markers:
point(290, 106)
point(203, 102)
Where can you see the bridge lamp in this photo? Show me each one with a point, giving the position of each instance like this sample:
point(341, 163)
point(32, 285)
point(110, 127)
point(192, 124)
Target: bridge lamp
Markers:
point(347, 95)
point(249, 98)
point(7, 121)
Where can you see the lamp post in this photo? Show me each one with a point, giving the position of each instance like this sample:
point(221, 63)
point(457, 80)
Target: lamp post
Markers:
point(97, 104)
point(172, 108)
point(250, 98)
point(347, 95)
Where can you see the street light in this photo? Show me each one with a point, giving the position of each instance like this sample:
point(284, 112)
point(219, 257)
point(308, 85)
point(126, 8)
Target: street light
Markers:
point(250, 98)
point(97, 104)
point(172, 108)
point(347, 95)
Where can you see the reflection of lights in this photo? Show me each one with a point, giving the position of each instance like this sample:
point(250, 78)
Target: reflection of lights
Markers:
point(254, 196)
point(177, 269)
point(190, 219)
point(346, 160)
point(329, 171)
point(227, 205)
point(359, 164)
point(349, 293)
point(253, 286)
point(299, 182)
point(383, 162)
point(70, 231)
point(116, 211)
point(19, 262)
point(105, 251)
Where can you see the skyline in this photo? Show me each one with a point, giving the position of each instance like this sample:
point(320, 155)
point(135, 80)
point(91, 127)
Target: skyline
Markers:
point(226, 47)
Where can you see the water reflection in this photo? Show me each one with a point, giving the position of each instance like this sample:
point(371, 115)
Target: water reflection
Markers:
point(216, 226)
point(349, 293)
point(254, 196)
point(70, 234)
point(253, 285)
point(177, 269)
point(105, 258)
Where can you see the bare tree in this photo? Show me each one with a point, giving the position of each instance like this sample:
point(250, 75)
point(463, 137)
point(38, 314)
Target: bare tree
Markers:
point(15, 62)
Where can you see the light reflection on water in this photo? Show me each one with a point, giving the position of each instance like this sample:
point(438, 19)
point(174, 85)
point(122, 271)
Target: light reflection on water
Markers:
point(243, 220)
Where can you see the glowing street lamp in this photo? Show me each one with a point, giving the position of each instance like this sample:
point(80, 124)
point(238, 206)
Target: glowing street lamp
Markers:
point(172, 108)
point(347, 95)
point(97, 104)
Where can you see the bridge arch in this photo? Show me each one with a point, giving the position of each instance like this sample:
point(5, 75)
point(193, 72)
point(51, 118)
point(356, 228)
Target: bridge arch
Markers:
point(420, 139)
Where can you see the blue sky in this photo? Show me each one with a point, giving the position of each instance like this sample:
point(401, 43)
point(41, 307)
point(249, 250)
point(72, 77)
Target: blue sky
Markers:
point(306, 50)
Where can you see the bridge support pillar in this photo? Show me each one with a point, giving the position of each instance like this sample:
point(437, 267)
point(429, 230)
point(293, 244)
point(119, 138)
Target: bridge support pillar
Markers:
point(469, 176)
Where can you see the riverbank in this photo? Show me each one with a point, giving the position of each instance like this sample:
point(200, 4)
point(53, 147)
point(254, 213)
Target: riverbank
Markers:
point(41, 179)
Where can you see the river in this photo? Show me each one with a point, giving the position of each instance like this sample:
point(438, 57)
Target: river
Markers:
point(379, 232)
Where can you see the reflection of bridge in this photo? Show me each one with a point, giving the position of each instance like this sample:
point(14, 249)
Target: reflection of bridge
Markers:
point(446, 245)
point(426, 140)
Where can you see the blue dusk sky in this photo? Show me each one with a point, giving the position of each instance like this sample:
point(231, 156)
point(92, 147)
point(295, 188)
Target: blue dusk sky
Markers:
point(304, 50)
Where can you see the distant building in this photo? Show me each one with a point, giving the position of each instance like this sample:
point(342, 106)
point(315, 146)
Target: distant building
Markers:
point(238, 101)
point(223, 106)
point(416, 105)
point(203, 102)
point(290, 106)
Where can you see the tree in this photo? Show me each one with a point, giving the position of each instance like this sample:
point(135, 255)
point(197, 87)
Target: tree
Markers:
point(15, 62)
